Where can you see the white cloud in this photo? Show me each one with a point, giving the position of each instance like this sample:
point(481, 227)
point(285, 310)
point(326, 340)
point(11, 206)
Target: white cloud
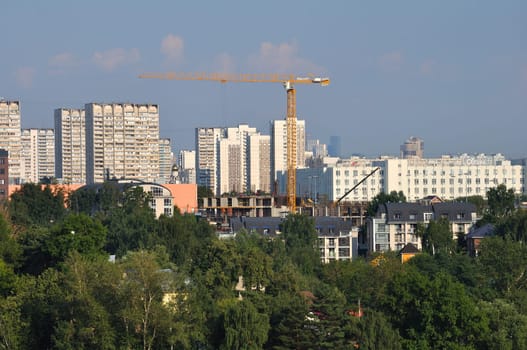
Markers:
point(111, 59)
point(62, 60)
point(281, 58)
point(427, 67)
point(172, 46)
point(24, 76)
point(391, 61)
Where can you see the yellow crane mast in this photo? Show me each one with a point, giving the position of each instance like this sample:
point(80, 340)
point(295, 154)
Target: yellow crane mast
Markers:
point(288, 81)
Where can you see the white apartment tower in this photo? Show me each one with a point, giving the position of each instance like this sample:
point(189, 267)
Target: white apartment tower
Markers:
point(165, 161)
point(233, 172)
point(70, 145)
point(279, 145)
point(38, 154)
point(122, 141)
point(207, 156)
point(259, 160)
point(187, 166)
point(10, 141)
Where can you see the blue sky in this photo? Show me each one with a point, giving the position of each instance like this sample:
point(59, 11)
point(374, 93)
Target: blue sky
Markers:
point(451, 72)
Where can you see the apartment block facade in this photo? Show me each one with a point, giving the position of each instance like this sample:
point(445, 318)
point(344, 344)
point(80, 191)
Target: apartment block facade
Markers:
point(279, 146)
point(448, 177)
point(395, 224)
point(38, 154)
point(70, 145)
point(187, 166)
point(10, 138)
point(165, 161)
point(4, 174)
point(122, 141)
point(259, 160)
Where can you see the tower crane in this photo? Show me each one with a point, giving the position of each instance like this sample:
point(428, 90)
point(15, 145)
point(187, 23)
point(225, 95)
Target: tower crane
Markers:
point(288, 80)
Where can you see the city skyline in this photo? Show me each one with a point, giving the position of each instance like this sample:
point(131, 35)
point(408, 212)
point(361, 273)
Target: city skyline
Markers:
point(454, 74)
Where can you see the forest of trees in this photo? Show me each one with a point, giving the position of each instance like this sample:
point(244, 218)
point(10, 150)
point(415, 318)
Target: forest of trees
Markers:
point(172, 282)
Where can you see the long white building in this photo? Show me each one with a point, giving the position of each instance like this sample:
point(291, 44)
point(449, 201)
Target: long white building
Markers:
point(448, 177)
point(10, 138)
point(259, 160)
point(122, 141)
point(38, 154)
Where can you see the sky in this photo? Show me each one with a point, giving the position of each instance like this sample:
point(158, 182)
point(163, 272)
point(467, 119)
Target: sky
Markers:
point(453, 73)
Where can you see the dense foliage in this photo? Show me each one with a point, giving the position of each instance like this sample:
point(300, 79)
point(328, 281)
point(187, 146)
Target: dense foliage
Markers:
point(175, 285)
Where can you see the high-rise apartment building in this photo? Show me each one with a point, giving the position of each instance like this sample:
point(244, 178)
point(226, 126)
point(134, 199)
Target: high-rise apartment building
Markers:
point(4, 174)
point(10, 138)
point(122, 141)
point(70, 145)
point(259, 160)
point(207, 156)
point(233, 172)
point(187, 166)
point(413, 148)
point(38, 154)
point(165, 161)
point(334, 147)
point(279, 145)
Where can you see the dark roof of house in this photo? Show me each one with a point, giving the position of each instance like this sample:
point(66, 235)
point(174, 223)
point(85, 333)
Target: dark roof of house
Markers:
point(409, 248)
point(482, 232)
point(454, 211)
point(270, 225)
point(401, 212)
point(414, 212)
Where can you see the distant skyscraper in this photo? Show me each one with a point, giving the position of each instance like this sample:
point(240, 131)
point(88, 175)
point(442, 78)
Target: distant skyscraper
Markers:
point(187, 166)
point(70, 145)
point(122, 141)
point(334, 147)
point(413, 148)
point(165, 161)
point(207, 156)
point(279, 145)
point(319, 150)
point(38, 154)
point(259, 160)
point(10, 138)
point(233, 173)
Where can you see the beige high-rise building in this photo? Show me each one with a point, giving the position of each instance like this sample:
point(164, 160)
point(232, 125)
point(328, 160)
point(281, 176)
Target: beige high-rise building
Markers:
point(70, 145)
point(165, 161)
point(10, 138)
point(414, 147)
point(259, 160)
point(38, 154)
point(122, 141)
point(279, 145)
point(207, 157)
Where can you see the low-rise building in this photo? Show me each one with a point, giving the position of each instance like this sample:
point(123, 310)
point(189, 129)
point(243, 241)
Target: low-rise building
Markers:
point(337, 238)
point(395, 224)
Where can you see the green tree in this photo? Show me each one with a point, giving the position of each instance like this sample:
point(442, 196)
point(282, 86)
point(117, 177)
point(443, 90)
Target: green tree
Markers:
point(78, 232)
point(434, 313)
point(142, 291)
point(505, 264)
point(437, 236)
point(508, 327)
point(245, 328)
point(513, 227)
point(84, 322)
point(373, 331)
point(500, 202)
point(32, 204)
point(301, 242)
point(381, 198)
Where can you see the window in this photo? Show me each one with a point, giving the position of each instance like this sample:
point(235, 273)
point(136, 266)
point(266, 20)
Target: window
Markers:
point(167, 202)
